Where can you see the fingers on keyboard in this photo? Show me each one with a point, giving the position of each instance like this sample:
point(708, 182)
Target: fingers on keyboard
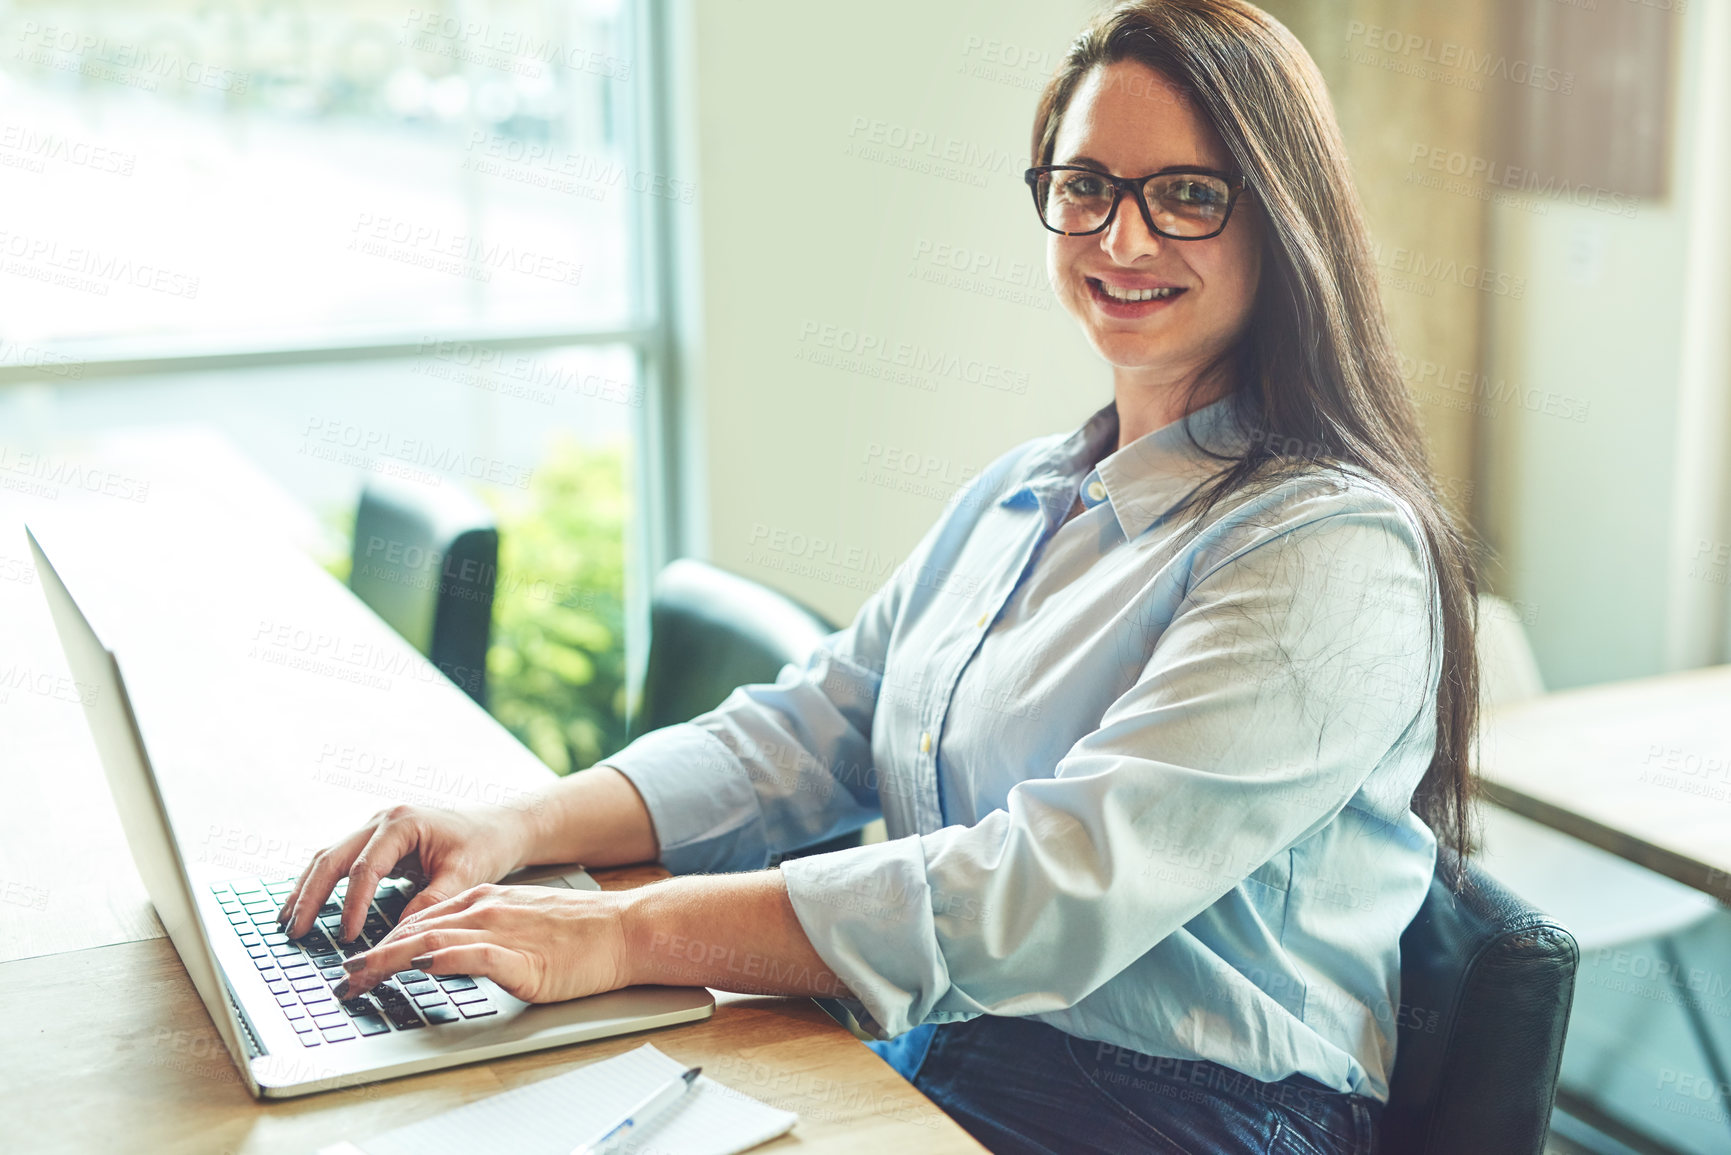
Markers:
point(300, 972)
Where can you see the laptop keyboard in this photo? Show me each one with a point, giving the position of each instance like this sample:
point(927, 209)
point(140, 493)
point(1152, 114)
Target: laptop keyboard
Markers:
point(301, 972)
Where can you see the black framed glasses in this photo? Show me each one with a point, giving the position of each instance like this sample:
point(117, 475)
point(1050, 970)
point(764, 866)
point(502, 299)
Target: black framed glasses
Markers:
point(1185, 204)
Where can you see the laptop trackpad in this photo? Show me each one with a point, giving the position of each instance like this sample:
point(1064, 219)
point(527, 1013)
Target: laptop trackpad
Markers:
point(569, 878)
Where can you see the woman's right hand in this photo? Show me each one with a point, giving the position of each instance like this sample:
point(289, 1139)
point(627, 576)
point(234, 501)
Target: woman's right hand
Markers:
point(445, 852)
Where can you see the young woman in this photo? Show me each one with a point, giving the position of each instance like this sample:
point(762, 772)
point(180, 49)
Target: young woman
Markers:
point(1166, 717)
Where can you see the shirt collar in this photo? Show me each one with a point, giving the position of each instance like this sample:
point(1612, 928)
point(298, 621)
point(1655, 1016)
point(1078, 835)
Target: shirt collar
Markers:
point(1144, 481)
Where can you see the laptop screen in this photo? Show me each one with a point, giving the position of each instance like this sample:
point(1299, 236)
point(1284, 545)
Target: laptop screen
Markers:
point(143, 816)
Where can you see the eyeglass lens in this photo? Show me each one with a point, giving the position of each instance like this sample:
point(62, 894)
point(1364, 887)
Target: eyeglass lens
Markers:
point(1182, 204)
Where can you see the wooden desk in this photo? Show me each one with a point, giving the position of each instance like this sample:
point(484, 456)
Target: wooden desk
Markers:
point(279, 713)
point(1641, 769)
point(109, 1049)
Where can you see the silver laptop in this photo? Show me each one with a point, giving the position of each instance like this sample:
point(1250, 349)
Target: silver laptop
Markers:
point(271, 998)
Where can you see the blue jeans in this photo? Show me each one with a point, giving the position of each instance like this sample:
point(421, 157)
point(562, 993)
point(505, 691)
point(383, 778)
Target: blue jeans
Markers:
point(1019, 1086)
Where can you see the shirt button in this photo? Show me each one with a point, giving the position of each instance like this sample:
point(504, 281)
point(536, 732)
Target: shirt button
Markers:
point(926, 742)
point(1096, 491)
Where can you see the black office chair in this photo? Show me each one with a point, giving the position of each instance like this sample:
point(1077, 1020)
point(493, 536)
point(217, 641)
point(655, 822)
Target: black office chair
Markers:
point(711, 631)
point(1486, 986)
point(426, 561)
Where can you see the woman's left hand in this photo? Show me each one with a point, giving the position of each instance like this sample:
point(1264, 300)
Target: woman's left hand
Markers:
point(541, 944)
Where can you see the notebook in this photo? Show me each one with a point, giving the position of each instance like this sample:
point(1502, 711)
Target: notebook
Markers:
point(554, 1115)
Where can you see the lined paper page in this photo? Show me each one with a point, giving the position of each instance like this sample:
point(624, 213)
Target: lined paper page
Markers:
point(554, 1115)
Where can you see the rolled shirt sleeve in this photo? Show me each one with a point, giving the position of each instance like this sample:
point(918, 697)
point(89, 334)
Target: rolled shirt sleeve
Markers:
point(1303, 650)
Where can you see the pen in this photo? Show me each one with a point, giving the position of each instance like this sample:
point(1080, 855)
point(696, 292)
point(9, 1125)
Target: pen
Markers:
point(639, 1115)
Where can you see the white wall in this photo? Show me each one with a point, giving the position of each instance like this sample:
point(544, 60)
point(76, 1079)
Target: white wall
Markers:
point(1599, 521)
point(843, 155)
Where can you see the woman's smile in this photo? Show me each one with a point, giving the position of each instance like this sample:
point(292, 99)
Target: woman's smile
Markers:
point(1132, 299)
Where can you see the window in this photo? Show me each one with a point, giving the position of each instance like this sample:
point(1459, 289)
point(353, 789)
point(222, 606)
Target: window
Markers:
point(356, 239)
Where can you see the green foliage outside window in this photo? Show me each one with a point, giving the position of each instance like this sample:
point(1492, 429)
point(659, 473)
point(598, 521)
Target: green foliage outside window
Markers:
point(556, 668)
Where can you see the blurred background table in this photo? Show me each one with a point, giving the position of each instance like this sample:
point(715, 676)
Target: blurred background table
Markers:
point(1641, 769)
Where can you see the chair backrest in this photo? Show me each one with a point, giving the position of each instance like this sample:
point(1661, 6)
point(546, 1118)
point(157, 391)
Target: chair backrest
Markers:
point(1486, 986)
point(711, 631)
point(426, 560)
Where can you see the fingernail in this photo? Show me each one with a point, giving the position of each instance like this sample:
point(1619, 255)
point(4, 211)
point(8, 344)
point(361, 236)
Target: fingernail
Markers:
point(357, 963)
point(341, 990)
point(421, 961)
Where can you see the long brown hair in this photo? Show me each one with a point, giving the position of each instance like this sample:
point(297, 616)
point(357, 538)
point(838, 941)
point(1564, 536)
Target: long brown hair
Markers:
point(1315, 373)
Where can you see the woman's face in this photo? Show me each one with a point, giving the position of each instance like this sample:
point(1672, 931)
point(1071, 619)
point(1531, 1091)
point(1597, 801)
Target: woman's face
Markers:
point(1128, 120)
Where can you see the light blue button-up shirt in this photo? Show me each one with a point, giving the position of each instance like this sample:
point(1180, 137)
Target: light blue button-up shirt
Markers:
point(1147, 783)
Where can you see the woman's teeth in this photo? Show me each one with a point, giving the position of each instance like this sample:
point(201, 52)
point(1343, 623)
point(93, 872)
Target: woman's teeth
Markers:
point(1118, 294)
